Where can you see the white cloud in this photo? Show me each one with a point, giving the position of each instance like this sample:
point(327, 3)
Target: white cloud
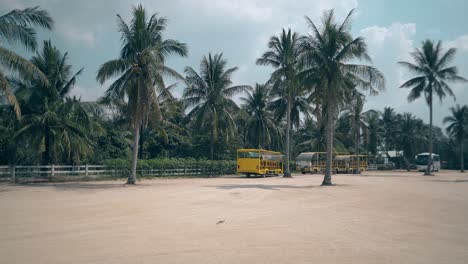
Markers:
point(461, 43)
point(78, 36)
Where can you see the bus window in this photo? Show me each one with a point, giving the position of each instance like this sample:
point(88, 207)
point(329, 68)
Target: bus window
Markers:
point(249, 155)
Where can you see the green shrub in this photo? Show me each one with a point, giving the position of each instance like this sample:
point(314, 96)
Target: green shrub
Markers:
point(173, 167)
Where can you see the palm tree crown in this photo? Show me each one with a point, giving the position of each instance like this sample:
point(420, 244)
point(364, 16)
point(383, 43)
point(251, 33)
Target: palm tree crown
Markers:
point(15, 27)
point(210, 94)
point(260, 128)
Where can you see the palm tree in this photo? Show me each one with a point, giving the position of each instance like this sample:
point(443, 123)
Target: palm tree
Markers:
point(373, 133)
point(389, 124)
point(330, 56)
point(141, 70)
point(16, 27)
point(408, 135)
point(312, 136)
point(354, 113)
point(261, 128)
point(457, 128)
point(283, 54)
point(62, 123)
point(433, 73)
point(210, 94)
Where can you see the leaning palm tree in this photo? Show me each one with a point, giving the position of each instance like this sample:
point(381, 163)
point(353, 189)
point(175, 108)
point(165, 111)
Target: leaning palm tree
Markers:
point(16, 27)
point(210, 94)
point(330, 56)
point(141, 70)
point(458, 123)
point(261, 129)
point(283, 54)
point(433, 73)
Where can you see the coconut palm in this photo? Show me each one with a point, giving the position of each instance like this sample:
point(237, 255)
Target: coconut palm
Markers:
point(312, 136)
point(330, 59)
point(457, 126)
point(16, 27)
point(373, 133)
point(389, 124)
point(52, 119)
point(261, 128)
point(284, 51)
point(210, 94)
point(141, 70)
point(356, 116)
point(433, 73)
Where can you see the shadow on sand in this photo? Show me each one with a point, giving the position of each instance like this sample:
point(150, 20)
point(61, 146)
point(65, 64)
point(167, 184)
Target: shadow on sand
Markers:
point(452, 181)
point(276, 187)
point(78, 185)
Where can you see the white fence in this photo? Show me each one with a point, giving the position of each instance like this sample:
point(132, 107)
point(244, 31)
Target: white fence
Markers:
point(70, 172)
point(372, 167)
point(47, 171)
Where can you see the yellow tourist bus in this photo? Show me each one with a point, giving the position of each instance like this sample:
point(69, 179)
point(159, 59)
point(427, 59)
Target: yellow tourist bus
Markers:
point(311, 162)
point(346, 163)
point(259, 162)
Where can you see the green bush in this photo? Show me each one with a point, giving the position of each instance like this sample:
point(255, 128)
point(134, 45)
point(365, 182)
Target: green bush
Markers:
point(173, 167)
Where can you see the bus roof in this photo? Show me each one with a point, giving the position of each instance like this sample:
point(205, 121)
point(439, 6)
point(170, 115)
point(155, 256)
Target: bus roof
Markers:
point(426, 154)
point(259, 150)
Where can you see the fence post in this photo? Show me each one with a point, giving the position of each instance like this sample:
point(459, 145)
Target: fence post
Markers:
point(86, 170)
point(52, 170)
point(13, 173)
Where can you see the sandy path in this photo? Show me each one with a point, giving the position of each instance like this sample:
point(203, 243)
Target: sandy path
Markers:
point(379, 217)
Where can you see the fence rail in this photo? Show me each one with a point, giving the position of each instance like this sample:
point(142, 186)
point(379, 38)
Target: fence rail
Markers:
point(372, 167)
point(70, 172)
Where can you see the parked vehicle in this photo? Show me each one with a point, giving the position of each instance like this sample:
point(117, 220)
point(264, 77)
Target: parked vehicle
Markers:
point(259, 162)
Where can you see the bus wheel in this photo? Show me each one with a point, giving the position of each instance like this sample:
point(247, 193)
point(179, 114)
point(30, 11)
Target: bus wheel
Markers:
point(248, 175)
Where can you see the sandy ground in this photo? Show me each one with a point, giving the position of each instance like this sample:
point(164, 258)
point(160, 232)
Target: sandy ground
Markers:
point(378, 217)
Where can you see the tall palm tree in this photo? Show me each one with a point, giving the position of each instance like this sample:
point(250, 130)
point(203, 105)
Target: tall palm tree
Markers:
point(354, 113)
point(458, 123)
point(16, 27)
point(330, 57)
point(433, 73)
point(210, 94)
point(284, 51)
point(261, 128)
point(141, 70)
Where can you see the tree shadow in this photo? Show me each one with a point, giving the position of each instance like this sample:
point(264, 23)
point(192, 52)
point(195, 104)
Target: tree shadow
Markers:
point(272, 187)
point(452, 181)
point(78, 185)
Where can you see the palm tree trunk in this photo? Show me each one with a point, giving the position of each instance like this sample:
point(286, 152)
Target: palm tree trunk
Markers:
point(287, 172)
point(462, 159)
point(327, 180)
point(356, 151)
point(141, 142)
point(429, 160)
point(47, 156)
point(136, 136)
point(212, 141)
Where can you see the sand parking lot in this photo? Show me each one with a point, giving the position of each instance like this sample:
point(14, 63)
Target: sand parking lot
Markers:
point(378, 217)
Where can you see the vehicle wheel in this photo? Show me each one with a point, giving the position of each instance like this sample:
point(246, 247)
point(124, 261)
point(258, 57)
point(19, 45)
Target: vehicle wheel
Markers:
point(264, 175)
point(248, 175)
point(303, 172)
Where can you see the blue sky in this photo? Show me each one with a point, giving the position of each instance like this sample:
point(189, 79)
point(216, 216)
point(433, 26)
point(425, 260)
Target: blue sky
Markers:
point(241, 28)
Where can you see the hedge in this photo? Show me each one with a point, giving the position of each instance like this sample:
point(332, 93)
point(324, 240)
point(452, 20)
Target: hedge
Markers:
point(173, 167)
